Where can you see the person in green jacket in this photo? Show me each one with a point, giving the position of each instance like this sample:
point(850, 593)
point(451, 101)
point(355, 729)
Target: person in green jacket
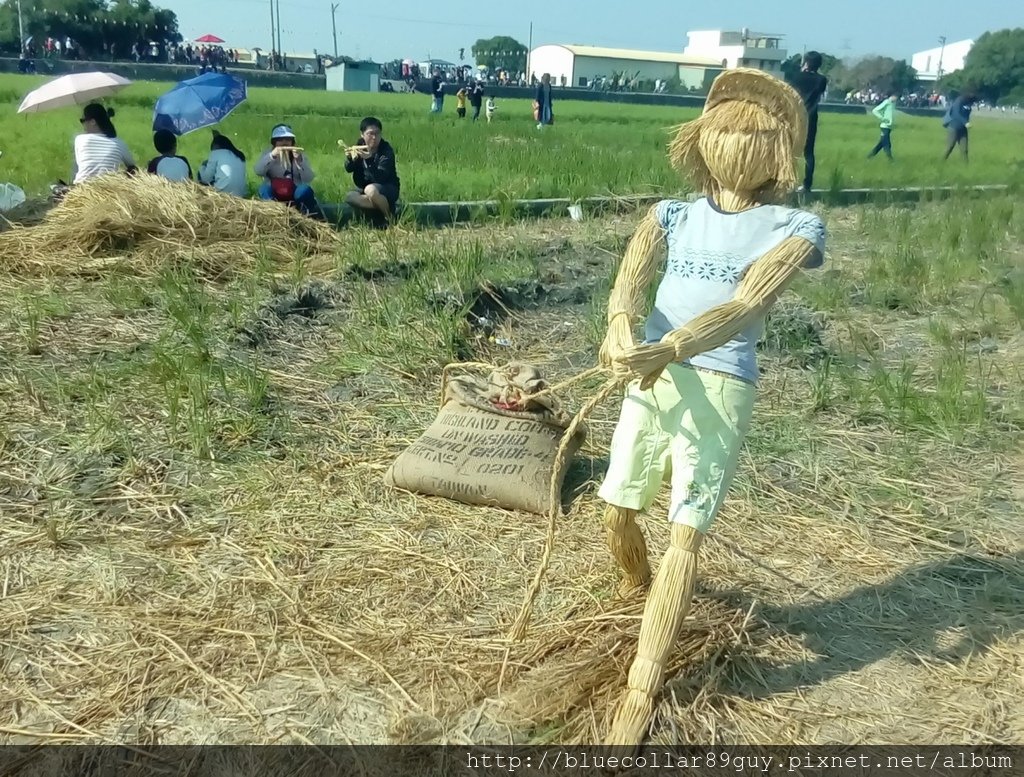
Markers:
point(885, 111)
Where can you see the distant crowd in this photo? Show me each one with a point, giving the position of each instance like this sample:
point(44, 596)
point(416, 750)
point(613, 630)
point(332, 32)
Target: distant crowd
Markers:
point(914, 100)
point(473, 93)
point(206, 58)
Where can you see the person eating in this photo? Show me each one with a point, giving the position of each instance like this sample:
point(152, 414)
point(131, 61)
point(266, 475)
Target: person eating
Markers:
point(287, 173)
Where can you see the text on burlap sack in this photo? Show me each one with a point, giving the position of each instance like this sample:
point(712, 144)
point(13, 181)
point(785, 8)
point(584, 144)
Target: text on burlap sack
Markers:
point(492, 445)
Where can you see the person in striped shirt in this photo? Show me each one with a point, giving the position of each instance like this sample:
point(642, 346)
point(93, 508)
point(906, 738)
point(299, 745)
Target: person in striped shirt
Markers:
point(98, 149)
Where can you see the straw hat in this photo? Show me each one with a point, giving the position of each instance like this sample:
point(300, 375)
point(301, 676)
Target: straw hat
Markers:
point(754, 86)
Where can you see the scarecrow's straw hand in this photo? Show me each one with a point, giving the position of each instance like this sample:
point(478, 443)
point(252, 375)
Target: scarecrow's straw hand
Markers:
point(645, 362)
point(617, 341)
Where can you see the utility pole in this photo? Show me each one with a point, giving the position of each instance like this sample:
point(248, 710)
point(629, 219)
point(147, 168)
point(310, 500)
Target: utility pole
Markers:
point(529, 54)
point(942, 50)
point(273, 35)
point(334, 26)
point(280, 51)
point(21, 28)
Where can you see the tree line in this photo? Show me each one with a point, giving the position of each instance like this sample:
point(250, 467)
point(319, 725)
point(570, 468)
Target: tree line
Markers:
point(993, 69)
point(96, 25)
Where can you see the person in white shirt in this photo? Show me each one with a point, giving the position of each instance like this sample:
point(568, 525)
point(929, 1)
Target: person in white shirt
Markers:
point(98, 150)
point(169, 164)
point(491, 108)
point(225, 169)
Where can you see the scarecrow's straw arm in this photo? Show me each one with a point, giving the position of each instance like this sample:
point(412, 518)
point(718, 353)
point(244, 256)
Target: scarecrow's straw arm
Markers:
point(762, 285)
point(630, 291)
point(637, 269)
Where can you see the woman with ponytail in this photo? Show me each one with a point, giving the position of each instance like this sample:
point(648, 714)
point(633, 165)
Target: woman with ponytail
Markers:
point(98, 150)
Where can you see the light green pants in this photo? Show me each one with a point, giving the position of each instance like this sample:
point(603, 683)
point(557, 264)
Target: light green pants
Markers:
point(689, 427)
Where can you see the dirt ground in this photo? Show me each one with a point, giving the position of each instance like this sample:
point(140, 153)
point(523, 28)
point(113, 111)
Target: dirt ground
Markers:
point(863, 584)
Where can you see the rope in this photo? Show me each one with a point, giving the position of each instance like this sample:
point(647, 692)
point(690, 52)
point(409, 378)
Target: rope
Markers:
point(610, 386)
point(555, 504)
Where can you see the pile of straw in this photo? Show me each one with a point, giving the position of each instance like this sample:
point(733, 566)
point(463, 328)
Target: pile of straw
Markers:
point(578, 667)
point(140, 223)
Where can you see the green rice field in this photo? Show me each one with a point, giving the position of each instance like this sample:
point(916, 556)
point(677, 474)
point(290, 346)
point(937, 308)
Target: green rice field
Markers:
point(594, 148)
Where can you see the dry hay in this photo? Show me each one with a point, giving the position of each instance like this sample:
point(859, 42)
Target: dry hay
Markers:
point(152, 599)
point(29, 213)
point(140, 223)
point(575, 669)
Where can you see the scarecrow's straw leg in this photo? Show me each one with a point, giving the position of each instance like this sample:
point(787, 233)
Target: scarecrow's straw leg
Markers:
point(626, 542)
point(667, 606)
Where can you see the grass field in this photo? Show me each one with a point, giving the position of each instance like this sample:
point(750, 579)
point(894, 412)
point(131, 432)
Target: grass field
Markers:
point(197, 546)
point(594, 148)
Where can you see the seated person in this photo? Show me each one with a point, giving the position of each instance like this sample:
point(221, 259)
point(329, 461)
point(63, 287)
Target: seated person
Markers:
point(225, 169)
point(287, 173)
point(169, 165)
point(98, 149)
point(372, 164)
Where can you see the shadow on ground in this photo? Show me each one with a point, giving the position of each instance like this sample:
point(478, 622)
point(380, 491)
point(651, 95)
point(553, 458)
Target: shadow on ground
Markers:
point(941, 612)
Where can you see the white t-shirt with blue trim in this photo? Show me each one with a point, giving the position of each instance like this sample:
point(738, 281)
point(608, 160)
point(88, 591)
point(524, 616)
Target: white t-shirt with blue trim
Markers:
point(709, 251)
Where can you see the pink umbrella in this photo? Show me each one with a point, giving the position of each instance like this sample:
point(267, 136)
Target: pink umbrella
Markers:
point(72, 89)
point(209, 39)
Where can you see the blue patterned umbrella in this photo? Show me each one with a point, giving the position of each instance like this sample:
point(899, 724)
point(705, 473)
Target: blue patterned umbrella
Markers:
point(198, 102)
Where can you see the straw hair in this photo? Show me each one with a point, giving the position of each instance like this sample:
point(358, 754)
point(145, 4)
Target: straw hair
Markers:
point(745, 141)
point(777, 97)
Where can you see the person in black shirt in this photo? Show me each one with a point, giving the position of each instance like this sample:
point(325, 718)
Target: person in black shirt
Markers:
point(437, 90)
point(476, 98)
point(811, 85)
point(372, 164)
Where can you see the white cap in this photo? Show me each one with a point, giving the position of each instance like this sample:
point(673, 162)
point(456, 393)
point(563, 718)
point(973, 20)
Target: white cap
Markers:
point(282, 131)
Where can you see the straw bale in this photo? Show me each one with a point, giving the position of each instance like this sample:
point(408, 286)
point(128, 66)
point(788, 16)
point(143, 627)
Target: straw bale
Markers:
point(141, 223)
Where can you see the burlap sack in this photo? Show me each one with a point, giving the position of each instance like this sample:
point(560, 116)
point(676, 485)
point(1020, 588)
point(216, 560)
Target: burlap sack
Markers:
point(488, 446)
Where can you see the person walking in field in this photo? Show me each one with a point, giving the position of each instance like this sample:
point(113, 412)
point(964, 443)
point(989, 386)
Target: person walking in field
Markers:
point(491, 109)
point(811, 86)
point(437, 90)
point(476, 98)
point(885, 111)
point(543, 105)
point(957, 121)
point(460, 103)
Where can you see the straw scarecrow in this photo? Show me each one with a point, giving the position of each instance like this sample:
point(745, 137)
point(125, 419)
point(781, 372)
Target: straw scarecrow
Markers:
point(688, 408)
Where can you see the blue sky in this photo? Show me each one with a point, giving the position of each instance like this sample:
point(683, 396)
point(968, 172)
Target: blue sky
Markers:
point(413, 28)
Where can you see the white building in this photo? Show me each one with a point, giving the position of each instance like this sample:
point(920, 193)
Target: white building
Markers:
point(738, 49)
point(578, 65)
point(941, 61)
